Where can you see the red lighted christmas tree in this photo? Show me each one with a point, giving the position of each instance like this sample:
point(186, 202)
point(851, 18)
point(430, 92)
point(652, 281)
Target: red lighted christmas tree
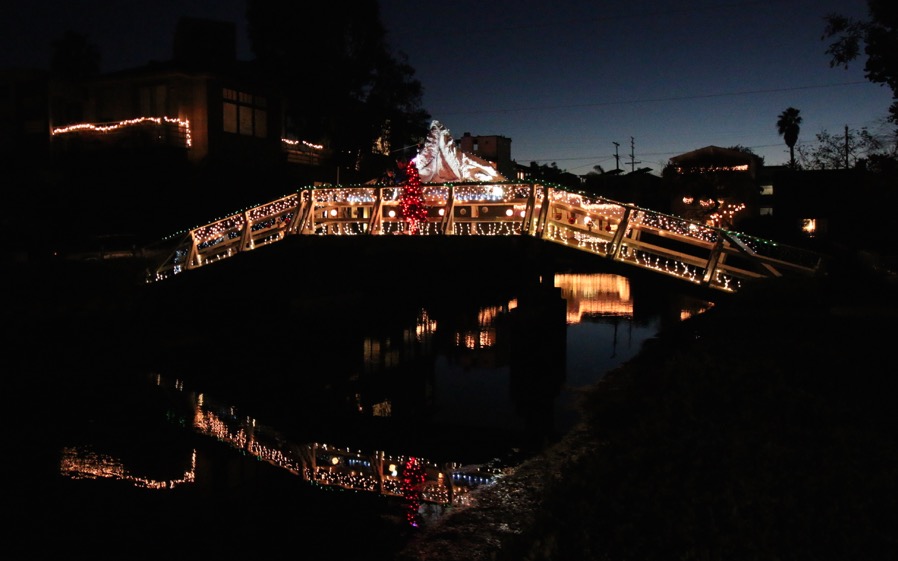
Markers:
point(411, 202)
point(412, 479)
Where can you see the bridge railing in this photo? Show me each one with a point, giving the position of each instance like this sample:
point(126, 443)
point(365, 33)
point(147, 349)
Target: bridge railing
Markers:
point(670, 245)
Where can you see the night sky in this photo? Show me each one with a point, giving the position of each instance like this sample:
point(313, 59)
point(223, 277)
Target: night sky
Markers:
point(564, 80)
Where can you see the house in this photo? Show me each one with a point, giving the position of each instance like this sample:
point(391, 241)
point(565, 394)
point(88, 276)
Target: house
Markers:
point(145, 150)
point(813, 207)
point(713, 185)
point(806, 208)
point(202, 106)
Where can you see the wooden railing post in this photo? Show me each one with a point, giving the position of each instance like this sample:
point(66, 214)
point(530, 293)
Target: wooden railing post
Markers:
point(375, 222)
point(448, 225)
point(617, 242)
point(543, 213)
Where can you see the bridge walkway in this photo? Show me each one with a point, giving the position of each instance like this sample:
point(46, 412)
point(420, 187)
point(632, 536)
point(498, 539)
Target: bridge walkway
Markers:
point(695, 253)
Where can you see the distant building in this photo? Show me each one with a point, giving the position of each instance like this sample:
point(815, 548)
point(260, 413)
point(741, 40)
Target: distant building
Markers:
point(202, 106)
point(496, 149)
point(810, 205)
point(202, 103)
point(713, 185)
point(731, 189)
point(148, 149)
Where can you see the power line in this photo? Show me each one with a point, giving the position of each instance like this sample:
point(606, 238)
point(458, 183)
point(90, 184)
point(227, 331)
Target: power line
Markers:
point(657, 99)
point(490, 29)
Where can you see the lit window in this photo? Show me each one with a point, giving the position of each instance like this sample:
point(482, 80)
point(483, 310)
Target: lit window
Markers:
point(809, 226)
point(766, 211)
point(766, 189)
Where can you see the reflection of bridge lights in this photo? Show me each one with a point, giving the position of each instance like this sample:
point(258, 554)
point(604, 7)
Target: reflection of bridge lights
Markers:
point(85, 464)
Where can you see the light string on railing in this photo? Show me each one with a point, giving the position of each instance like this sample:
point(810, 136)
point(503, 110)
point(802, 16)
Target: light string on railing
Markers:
point(111, 127)
point(577, 219)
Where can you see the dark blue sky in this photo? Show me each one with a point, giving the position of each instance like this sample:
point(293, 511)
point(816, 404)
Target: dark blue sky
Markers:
point(564, 80)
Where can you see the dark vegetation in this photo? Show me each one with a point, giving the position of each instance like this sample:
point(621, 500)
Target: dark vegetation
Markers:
point(761, 429)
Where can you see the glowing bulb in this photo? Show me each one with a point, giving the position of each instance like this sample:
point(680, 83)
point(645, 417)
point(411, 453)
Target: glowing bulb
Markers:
point(509, 212)
point(392, 214)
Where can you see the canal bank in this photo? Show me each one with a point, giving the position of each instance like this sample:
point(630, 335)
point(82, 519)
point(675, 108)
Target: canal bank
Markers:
point(763, 428)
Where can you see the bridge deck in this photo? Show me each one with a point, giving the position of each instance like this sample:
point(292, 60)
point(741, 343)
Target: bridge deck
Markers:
point(695, 253)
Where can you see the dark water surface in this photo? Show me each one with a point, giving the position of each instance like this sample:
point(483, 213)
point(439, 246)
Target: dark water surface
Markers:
point(186, 437)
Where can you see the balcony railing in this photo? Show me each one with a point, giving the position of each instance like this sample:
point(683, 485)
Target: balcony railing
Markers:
point(142, 131)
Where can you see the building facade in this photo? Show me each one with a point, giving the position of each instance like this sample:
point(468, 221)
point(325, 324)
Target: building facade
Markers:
point(496, 149)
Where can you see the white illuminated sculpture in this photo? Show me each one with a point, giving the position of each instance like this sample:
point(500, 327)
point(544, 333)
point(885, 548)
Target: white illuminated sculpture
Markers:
point(440, 160)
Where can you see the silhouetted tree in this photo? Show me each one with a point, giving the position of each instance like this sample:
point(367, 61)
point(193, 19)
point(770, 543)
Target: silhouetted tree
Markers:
point(840, 151)
point(74, 57)
point(747, 150)
point(551, 173)
point(788, 126)
point(879, 37)
point(344, 85)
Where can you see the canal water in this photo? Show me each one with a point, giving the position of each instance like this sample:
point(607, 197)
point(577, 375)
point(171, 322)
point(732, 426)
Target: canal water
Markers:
point(207, 428)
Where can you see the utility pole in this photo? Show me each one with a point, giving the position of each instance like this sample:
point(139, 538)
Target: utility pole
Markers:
point(633, 161)
point(616, 157)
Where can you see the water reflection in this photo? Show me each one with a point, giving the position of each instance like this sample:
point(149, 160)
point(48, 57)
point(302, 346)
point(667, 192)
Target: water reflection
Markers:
point(422, 404)
point(82, 462)
point(594, 296)
point(410, 479)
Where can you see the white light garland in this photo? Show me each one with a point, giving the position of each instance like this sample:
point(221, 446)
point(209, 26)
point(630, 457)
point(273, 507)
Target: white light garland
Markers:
point(111, 127)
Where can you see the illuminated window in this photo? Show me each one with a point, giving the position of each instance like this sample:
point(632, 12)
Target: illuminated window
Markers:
point(809, 226)
point(766, 211)
point(766, 189)
point(244, 113)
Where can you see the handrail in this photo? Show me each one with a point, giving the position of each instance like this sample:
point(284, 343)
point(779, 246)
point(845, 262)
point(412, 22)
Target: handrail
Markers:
point(671, 245)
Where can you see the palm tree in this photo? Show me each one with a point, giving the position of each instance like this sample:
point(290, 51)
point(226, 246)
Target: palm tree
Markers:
point(787, 125)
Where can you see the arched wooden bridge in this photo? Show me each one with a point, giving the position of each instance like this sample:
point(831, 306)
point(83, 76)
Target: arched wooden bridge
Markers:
point(711, 257)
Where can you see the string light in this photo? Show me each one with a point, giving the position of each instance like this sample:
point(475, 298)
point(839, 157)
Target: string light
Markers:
point(672, 245)
point(412, 482)
point(183, 124)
